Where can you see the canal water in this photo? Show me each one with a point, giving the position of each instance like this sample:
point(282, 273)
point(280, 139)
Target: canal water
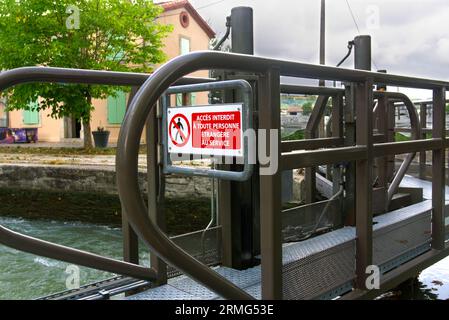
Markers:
point(26, 276)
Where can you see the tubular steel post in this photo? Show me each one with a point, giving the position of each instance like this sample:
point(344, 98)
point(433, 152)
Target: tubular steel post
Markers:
point(155, 178)
point(363, 169)
point(242, 30)
point(382, 128)
point(391, 122)
point(130, 240)
point(438, 169)
point(337, 131)
point(270, 188)
point(322, 36)
point(422, 154)
point(362, 52)
point(238, 201)
point(364, 214)
point(362, 61)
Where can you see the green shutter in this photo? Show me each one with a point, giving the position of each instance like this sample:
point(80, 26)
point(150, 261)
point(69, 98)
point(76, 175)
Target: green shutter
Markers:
point(193, 99)
point(117, 108)
point(179, 99)
point(184, 46)
point(31, 116)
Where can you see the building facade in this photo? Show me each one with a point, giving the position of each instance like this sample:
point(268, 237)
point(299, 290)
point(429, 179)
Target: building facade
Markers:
point(190, 33)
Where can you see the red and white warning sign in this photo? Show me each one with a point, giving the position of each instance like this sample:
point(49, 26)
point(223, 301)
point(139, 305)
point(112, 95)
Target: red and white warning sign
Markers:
point(208, 130)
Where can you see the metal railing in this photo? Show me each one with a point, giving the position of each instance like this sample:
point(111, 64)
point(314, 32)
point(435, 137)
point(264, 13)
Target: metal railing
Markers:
point(247, 111)
point(47, 249)
point(363, 153)
point(269, 72)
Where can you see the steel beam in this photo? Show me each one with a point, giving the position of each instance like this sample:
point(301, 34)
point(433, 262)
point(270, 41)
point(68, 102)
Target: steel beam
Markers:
point(270, 189)
point(397, 276)
point(241, 209)
point(438, 169)
point(393, 148)
point(311, 132)
point(310, 144)
point(422, 154)
point(364, 181)
point(129, 237)
point(156, 180)
point(292, 160)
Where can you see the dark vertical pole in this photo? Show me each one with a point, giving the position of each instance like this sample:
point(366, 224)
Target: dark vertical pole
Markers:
point(422, 154)
point(438, 169)
point(363, 170)
point(130, 240)
point(321, 83)
point(382, 128)
point(391, 122)
point(155, 181)
point(337, 131)
point(382, 162)
point(362, 61)
point(364, 205)
point(270, 188)
point(242, 34)
point(238, 201)
point(362, 52)
point(322, 35)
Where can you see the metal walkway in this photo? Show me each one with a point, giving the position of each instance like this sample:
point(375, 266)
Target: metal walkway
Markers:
point(326, 261)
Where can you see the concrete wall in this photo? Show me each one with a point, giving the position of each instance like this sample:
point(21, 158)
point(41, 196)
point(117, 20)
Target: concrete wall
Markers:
point(103, 180)
point(95, 180)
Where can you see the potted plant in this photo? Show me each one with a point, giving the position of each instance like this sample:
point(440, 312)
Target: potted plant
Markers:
point(101, 137)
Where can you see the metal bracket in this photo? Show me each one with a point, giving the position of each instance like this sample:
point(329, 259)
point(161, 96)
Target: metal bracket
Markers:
point(247, 108)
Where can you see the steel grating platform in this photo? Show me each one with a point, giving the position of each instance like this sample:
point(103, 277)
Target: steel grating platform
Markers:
point(323, 267)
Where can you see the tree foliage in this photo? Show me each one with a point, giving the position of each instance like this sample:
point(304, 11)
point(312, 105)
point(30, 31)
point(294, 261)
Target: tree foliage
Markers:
point(118, 35)
point(307, 108)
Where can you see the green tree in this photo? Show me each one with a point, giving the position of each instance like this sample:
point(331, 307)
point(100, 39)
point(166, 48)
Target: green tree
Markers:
point(115, 35)
point(307, 108)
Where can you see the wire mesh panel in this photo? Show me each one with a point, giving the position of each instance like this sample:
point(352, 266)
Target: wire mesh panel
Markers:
point(302, 222)
point(203, 245)
point(324, 266)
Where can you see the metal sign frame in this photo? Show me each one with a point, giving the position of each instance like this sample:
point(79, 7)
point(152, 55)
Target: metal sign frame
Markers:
point(247, 108)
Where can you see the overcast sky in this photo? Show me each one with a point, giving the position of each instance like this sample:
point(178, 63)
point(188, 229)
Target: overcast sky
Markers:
point(408, 36)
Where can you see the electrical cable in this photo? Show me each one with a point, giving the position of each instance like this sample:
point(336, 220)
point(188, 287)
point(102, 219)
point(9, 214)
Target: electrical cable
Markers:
point(358, 29)
point(226, 36)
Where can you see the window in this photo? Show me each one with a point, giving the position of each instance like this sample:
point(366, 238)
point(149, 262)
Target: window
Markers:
point(116, 108)
point(184, 45)
point(193, 98)
point(31, 116)
point(179, 99)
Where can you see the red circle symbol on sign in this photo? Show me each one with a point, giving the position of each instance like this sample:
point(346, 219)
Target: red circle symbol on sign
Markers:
point(179, 130)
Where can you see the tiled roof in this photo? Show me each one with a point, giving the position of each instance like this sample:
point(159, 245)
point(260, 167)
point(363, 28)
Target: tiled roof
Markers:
point(178, 4)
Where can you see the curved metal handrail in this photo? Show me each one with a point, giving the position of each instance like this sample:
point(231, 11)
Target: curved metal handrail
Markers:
point(54, 251)
point(147, 97)
point(130, 135)
point(416, 135)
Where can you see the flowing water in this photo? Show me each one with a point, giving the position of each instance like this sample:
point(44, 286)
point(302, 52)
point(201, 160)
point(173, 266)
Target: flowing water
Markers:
point(26, 276)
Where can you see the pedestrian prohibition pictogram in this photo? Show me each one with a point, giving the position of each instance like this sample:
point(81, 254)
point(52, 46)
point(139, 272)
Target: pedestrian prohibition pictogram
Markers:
point(179, 130)
point(205, 130)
